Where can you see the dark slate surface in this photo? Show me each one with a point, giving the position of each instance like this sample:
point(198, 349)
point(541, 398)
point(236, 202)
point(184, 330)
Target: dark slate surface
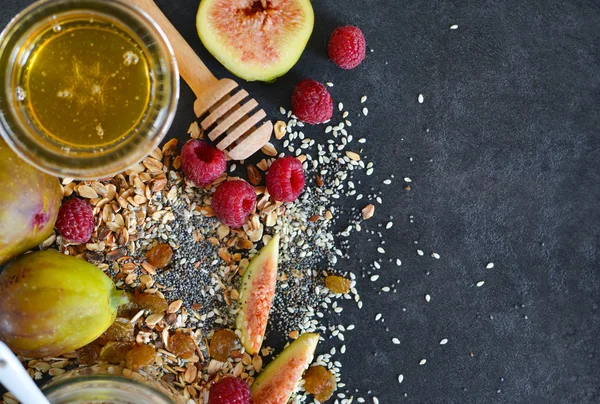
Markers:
point(507, 173)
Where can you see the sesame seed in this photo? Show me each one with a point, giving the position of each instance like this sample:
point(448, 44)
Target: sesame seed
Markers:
point(389, 225)
point(387, 182)
point(282, 110)
point(363, 140)
point(378, 317)
point(400, 378)
point(375, 400)
point(421, 98)
point(365, 111)
point(398, 262)
point(370, 171)
point(374, 278)
point(340, 106)
point(420, 252)
point(435, 255)
point(453, 26)
point(380, 250)
point(396, 341)
point(422, 362)
point(489, 266)
point(480, 284)
point(385, 289)
point(329, 84)
point(363, 99)
point(407, 179)
point(444, 341)
point(427, 298)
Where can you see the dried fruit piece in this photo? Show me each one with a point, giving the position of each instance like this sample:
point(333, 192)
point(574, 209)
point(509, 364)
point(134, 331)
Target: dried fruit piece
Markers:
point(319, 382)
point(221, 344)
point(337, 284)
point(120, 330)
point(89, 354)
point(255, 39)
point(182, 345)
point(277, 382)
point(150, 301)
point(160, 255)
point(116, 351)
point(51, 303)
point(256, 296)
point(140, 356)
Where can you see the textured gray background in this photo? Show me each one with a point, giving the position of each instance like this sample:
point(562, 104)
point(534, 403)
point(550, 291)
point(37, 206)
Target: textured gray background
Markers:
point(508, 172)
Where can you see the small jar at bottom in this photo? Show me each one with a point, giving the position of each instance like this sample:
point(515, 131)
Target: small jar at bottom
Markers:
point(107, 384)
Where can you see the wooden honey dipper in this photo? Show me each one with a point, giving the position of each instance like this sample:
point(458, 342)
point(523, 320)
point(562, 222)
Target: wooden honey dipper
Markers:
point(228, 123)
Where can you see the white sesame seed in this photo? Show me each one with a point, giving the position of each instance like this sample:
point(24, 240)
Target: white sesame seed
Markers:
point(374, 278)
point(363, 140)
point(444, 341)
point(370, 171)
point(420, 252)
point(282, 110)
point(423, 361)
point(387, 182)
point(398, 262)
point(480, 284)
point(427, 298)
point(435, 255)
point(340, 106)
point(345, 114)
point(453, 26)
point(378, 317)
point(343, 349)
point(350, 327)
point(389, 225)
point(363, 99)
point(329, 84)
point(385, 289)
point(407, 179)
point(380, 250)
point(400, 378)
point(489, 266)
point(396, 341)
point(376, 265)
point(421, 98)
point(365, 111)
point(375, 400)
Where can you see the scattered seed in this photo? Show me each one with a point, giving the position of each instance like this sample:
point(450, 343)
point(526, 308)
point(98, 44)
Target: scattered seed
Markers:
point(480, 284)
point(340, 107)
point(444, 341)
point(489, 266)
point(363, 99)
point(365, 111)
point(396, 341)
point(422, 362)
point(329, 84)
point(380, 250)
point(374, 278)
point(435, 255)
point(453, 26)
point(400, 378)
point(427, 298)
point(420, 252)
point(407, 179)
point(378, 317)
point(421, 98)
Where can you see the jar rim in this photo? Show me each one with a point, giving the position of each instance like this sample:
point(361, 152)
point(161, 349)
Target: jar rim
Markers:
point(28, 142)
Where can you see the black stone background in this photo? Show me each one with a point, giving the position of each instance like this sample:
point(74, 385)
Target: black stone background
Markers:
point(508, 173)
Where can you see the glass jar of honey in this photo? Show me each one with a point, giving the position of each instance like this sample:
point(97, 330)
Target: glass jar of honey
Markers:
point(89, 87)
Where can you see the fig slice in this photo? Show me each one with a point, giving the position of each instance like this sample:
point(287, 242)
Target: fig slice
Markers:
point(255, 39)
point(278, 381)
point(256, 296)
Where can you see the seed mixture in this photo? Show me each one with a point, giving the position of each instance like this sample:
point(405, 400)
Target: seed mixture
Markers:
point(177, 309)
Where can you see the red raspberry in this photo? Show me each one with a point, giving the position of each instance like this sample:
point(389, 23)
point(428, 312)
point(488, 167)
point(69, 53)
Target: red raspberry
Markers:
point(230, 390)
point(285, 179)
point(311, 102)
point(233, 201)
point(347, 47)
point(201, 162)
point(75, 222)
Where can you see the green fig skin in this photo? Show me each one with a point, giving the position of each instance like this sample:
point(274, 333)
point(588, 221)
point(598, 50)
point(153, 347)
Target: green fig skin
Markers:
point(29, 203)
point(51, 304)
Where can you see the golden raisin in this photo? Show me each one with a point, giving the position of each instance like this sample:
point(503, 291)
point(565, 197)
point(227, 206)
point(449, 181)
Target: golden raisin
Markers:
point(319, 382)
point(116, 351)
point(120, 330)
point(150, 301)
point(337, 284)
point(89, 354)
point(140, 356)
point(182, 345)
point(221, 345)
point(130, 308)
point(160, 255)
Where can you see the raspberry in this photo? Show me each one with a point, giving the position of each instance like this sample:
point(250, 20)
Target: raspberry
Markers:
point(230, 390)
point(201, 162)
point(311, 102)
point(347, 47)
point(75, 222)
point(233, 201)
point(285, 179)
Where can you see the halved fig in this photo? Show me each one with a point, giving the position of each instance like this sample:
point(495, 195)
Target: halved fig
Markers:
point(278, 381)
point(255, 39)
point(256, 296)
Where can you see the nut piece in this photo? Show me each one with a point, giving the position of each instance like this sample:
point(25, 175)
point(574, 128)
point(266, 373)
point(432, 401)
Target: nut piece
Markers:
point(253, 175)
point(279, 130)
point(368, 211)
point(269, 150)
point(353, 156)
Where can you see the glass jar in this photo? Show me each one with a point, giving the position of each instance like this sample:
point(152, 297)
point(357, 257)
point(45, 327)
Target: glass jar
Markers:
point(106, 384)
point(89, 155)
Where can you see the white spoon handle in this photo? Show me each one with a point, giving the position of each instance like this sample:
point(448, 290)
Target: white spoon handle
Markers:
point(14, 378)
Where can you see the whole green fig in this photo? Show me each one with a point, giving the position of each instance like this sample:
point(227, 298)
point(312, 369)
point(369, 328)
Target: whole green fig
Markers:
point(29, 203)
point(51, 303)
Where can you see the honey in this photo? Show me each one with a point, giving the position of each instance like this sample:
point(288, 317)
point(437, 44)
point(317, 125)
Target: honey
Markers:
point(86, 83)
